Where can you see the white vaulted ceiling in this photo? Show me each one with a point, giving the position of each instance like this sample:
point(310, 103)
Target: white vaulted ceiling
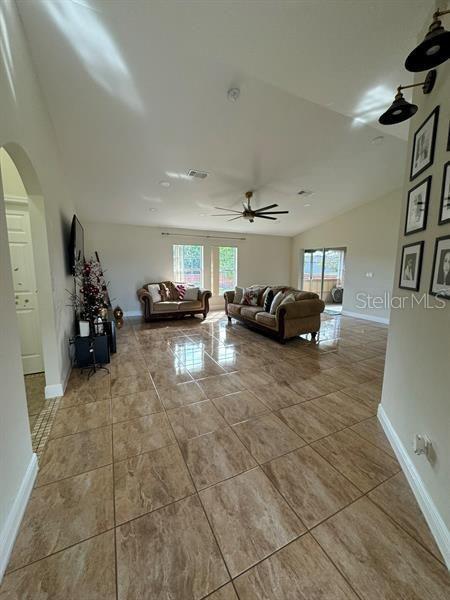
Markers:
point(137, 93)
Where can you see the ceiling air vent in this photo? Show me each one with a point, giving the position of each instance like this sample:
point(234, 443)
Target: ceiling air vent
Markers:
point(197, 174)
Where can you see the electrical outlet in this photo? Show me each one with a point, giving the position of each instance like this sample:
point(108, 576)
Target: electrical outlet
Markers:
point(422, 444)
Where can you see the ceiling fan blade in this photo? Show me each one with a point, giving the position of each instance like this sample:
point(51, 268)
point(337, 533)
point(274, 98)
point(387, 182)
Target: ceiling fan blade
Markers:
point(265, 217)
point(277, 212)
point(234, 218)
point(266, 208)
point(226, 215)
point(230, 210)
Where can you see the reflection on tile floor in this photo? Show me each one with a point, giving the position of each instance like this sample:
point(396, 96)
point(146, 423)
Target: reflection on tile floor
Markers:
point(41, 412)
point(214, 463)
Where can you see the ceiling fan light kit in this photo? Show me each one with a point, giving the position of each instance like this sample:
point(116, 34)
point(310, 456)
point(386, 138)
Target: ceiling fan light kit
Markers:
point(433, 51)
point(250, 214)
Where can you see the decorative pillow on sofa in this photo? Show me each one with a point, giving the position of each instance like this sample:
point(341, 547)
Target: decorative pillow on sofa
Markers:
point(154, 291)
point(250, 296)
point(288, 299)
point(166, 292)
point(181, 289)
point(268, 300)
point(238, 295)
point(191, 293)
point(276, 302)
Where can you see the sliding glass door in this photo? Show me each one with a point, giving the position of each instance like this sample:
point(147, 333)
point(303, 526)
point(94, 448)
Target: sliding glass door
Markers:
point(323, 273)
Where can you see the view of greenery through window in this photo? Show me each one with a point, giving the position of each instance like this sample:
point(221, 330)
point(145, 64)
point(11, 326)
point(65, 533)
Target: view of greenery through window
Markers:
point(227, 268)
point(188, 264)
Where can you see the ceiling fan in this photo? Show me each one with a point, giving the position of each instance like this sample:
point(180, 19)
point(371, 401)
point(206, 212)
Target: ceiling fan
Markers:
point(248, 213)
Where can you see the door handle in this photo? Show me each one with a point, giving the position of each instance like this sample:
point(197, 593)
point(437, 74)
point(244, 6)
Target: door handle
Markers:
point(16, 269)
point(26, 300)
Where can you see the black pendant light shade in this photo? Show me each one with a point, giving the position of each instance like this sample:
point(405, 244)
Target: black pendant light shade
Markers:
point(400, 110)
point(433, 51)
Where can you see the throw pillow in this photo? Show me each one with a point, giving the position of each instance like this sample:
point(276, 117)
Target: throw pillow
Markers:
point(238, 295)
point(191, 293)
point(165, 292)
point(250, 297)
point(153, 290)
point(288, 299)
point(268, 301)
point(181, 289)
point(276, 302)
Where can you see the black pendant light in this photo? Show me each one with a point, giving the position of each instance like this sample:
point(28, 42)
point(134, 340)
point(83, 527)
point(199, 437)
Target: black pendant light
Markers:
point(435, 48)
point(402, 110)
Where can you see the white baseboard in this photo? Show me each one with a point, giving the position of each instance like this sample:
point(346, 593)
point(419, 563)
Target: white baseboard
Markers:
point(56, 390)
point(435, 522)
point(365, 317)
point(14, 518)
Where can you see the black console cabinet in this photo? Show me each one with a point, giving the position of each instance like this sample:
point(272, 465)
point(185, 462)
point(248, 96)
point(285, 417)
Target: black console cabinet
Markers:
point(92, 350)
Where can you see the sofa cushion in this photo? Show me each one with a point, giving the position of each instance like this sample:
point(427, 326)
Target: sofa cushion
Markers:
point(238, 295)
point(300, 295)
point(191, 293)
point(276, 302)
point(265, 318)
point(154, 291)
point(249, 312)
point(287, 299)
point(189, 304)
point(234, 309)
point(268, 298)
point(166, 306)
point(250, 297)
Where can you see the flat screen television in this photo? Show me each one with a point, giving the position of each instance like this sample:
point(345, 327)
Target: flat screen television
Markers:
point(76, 244)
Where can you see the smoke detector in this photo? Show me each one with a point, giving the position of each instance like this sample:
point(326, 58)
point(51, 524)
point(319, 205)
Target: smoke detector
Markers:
point(197, 174)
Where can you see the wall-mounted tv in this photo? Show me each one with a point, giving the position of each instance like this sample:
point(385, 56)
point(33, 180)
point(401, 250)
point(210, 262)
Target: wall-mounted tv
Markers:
point(76, 244)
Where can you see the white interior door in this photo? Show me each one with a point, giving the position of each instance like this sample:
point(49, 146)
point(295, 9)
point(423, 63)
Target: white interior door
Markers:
point(24, 278)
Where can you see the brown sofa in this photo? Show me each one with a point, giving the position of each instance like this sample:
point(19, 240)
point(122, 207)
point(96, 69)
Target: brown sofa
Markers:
point(289, 320)
point(173, 307)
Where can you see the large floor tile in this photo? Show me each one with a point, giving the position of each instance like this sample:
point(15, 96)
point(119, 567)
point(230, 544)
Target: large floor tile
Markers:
point(81, 418)
point(216, 456)
point(360, 461)
point(395, 497)
point(63, 513)
point(277, 396)
point(74, 454)
point(368, 393)
point(130, 406)
point(267, 437)
point(309, 421)
point(249, 518)
point(301, 571)
point(181, 394)
point(85, 571)
point(371, 430)
point(378, 558)
point(313, 387)
point(132, 384)
point(239, 406)
point(343, 408)
point(225, 593)
point(219, 385)
point(141, 435)
point(149, 481)
point(167, 376)
point(311, 486)
point(169, 553)
point(195, 419)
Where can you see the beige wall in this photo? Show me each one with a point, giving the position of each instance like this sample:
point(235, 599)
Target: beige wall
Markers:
point(416, 393)
point(27, 134)
point(136, 255)
point(369, 232)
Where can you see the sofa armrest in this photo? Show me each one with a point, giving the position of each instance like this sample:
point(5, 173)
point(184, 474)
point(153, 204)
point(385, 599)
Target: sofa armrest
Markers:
point(146, 300)
point(301, 308)
point(229, 299)
point(204, 295)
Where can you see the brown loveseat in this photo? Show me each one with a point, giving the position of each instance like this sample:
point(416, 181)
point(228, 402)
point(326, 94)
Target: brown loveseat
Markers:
point(172, 307)
point(289, 320)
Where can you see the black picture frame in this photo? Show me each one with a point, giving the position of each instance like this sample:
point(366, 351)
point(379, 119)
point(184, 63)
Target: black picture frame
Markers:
point(445, 176)
point(441, 293)
point(427, 182)
point(435, 116)
point(416, 285)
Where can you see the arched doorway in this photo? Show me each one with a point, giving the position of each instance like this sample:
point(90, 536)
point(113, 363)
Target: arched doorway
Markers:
point(24, 208)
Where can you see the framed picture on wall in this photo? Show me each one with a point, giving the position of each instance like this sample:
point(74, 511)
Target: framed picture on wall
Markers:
point(423, 145)
point(411, 266)
point(417, 207)
point(440, 275)
point(444, 213)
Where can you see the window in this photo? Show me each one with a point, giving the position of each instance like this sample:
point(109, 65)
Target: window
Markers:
point(188, 264)
point(224, 269)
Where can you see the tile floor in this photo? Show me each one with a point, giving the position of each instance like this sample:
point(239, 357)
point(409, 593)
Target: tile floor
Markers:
point(41, 412)
point(214, 463)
